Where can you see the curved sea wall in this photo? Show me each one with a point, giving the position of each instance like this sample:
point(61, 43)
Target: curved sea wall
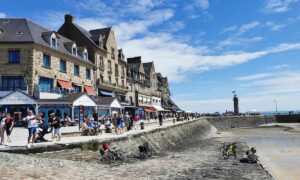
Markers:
point(160, 138)
point(227, 122)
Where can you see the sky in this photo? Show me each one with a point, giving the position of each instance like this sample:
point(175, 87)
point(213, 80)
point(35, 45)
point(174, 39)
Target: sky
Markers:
point(206, 48)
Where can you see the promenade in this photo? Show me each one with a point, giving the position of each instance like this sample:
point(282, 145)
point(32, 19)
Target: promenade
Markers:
point(72, 135)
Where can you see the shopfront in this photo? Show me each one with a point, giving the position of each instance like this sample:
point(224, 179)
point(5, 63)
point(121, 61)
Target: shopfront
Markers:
point(108, 106)
point(18, 103)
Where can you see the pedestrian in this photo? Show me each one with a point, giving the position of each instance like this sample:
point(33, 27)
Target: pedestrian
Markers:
point(51, 120)
point(9, 124)
point(57, 127)
point(32, 127)
point(95, 116)
point(127, 121)
point(119, 125)
point(137, 121)
point(160, 119)
point(2, 127)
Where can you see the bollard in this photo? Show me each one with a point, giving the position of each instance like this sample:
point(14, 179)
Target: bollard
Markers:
point(142, 125)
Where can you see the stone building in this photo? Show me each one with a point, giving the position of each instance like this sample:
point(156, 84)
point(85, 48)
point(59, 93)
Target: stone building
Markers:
point(110, 66)
point(37, 64)
point(140, 85)
point(156, 93)
point(41, 62)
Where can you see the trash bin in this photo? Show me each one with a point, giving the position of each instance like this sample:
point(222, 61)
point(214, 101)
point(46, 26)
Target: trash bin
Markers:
point(142, 125)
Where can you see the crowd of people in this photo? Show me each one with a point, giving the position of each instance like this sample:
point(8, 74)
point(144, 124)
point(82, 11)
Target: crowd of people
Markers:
point(91, 125)
point(118, 123)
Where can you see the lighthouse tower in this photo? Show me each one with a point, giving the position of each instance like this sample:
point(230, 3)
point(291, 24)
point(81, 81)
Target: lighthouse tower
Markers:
point(236, 104)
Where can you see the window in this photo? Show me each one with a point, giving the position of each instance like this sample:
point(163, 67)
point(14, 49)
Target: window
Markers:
point(116, 70)
point(117, 81)
point(85, 56)
point(109, 79)
point(101, 61)
point(12, 83)
point(88, 73)
point(63, 66)
point(112, 53)
point(77, 88)
point(14, 56)
point(53, 42)
point(74, 51)
point(109, 66)
point(76, 70)
point(46, 61)
point(123, 84)
point(45, 84)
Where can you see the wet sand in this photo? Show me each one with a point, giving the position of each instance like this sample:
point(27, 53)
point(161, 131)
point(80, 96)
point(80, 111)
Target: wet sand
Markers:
point(278, 146)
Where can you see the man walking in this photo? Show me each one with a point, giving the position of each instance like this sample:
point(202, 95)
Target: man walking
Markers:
point(32, 127)
point(160, 119)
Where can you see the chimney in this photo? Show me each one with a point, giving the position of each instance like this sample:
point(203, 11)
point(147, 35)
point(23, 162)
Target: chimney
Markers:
point(68, 18)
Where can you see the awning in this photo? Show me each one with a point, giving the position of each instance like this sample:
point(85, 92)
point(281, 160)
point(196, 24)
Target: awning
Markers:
point(65, 84)
point(158, 108)
point(149, 110)
point(107, 93)
point(89, 90)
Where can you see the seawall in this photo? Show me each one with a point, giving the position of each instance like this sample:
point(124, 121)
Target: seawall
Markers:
point(227, 122)
point(161, 138)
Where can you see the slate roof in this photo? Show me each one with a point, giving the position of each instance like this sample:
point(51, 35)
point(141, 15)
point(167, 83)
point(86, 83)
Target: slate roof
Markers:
point(25, 31)
point(147, 68)
point(71, 97)
point(95, 34)
point(103, 100)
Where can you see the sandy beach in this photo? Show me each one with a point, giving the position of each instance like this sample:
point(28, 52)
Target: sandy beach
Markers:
point(278, 146)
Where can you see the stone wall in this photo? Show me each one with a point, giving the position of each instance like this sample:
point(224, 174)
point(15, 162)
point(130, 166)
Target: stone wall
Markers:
point(227, 122)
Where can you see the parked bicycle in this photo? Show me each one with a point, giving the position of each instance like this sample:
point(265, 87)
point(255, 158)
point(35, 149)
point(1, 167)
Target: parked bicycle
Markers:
point(228, 150)
point(144, 151)
point(111, 156)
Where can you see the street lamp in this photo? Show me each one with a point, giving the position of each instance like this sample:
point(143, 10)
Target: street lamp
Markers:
point(275, 102)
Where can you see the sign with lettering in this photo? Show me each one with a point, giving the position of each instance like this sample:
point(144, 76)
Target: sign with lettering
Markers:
point(17, 98)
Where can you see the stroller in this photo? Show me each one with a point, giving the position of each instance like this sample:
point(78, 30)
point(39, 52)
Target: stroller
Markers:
point(44, 129)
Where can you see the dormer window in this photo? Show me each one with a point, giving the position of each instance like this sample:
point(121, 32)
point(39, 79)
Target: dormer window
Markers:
point(85, 56)
point(53, 42)
point(74, 50)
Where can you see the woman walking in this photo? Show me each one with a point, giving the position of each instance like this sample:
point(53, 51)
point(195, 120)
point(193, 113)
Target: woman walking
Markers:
point(9, 124)
point(2, 128)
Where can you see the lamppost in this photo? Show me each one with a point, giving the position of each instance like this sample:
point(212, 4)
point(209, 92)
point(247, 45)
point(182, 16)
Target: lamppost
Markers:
point(275, 102)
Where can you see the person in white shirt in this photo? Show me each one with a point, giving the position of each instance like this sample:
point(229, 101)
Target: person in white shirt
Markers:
point(32, 121)
point(2, 127)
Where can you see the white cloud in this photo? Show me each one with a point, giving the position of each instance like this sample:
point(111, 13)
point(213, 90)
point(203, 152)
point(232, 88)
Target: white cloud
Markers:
point(2, 15)
point(198, 4)
point(238, 41)
point(254, 77)
point(278, 6)
point(279, 67)
point(275, 27)
point(229, 29)
point(246, 27)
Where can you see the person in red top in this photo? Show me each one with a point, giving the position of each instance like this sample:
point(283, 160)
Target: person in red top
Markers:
point(105, 146)
point(9, 124)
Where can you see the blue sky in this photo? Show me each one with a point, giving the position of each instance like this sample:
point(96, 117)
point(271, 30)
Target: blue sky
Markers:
point(207, 48)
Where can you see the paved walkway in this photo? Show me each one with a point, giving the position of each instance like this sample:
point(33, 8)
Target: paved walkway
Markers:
point(19, 135)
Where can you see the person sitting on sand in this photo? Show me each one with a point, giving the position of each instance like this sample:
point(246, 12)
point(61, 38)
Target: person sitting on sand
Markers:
point(251, 157)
